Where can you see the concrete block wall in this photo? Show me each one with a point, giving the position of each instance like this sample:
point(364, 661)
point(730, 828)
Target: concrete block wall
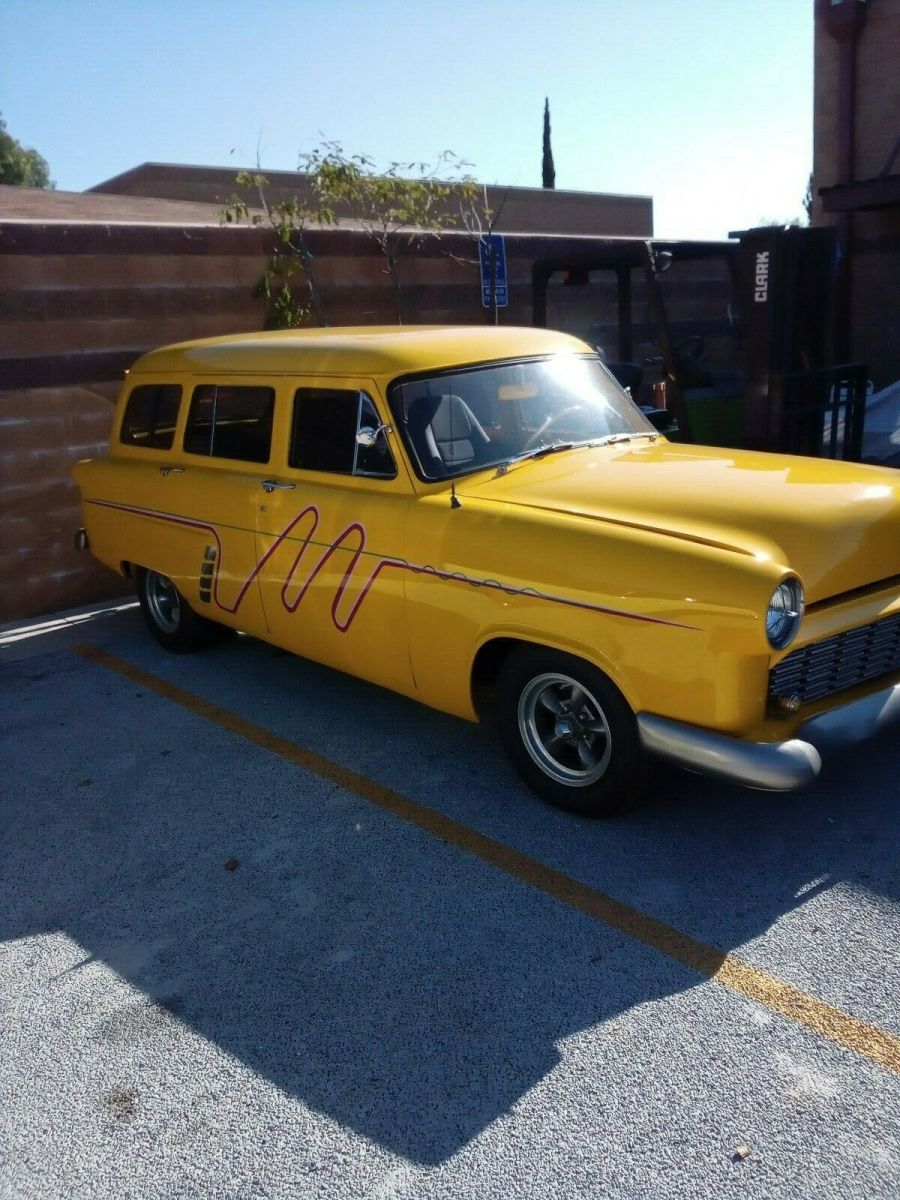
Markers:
point(43, 431)
point(80, 301)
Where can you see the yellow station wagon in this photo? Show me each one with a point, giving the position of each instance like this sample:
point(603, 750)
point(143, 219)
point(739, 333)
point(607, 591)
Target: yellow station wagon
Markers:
point(481, 519)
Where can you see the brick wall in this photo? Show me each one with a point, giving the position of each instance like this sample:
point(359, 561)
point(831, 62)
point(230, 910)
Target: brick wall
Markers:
point(875, 267)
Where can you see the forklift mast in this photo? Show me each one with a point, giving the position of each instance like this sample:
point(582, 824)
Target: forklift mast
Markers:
point(787, 394)
point(785, 282)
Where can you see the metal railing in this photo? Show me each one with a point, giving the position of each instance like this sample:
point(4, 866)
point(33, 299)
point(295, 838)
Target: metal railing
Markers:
point(823, 411)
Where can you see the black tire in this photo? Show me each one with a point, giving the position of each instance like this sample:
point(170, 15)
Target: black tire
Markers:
point(170, 618)
point(570, 733)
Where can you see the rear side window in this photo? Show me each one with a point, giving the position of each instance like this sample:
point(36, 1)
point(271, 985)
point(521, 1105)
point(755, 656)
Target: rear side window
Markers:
point(150, 416)
point(230, 422)
point(323, 435)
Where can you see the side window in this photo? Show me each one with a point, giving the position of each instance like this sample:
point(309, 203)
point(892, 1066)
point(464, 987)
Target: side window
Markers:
point(323, 435)
point(231, 422)
point(150, 416)
point(377, 458)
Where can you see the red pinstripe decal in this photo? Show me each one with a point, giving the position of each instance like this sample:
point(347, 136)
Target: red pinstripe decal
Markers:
point(355, 529)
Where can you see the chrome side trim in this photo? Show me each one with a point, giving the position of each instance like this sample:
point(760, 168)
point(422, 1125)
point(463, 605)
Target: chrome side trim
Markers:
point(768, 766)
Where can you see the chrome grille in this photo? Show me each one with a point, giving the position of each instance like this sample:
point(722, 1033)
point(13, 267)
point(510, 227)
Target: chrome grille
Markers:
point(839, 662)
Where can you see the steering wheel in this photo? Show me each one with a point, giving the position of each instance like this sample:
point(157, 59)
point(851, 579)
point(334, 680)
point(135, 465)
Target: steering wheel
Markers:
point(550, 422)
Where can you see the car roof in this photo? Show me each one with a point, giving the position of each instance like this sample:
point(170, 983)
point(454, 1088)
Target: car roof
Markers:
point(368, 350)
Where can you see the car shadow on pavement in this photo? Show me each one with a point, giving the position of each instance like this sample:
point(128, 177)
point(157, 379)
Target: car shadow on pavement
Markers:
point(390, 980)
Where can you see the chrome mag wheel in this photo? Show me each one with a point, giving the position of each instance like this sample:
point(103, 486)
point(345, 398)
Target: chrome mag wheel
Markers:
point(564, 729)
point(163, 601)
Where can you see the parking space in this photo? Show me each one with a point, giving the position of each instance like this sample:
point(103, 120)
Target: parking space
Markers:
point(269, 931)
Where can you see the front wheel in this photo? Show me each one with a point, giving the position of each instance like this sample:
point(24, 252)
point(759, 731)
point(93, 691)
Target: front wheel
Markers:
point(169, 617)
point(570, 733)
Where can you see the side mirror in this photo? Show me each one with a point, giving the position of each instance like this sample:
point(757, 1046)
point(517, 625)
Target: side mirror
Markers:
point(368, 437)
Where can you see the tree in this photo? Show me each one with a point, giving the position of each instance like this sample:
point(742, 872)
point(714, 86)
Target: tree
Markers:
point(399, 206)
point(292, 257)
point(21, 166)
point(548, 170)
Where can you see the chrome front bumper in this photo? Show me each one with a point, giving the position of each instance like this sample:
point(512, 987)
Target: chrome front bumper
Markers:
point(770, 766)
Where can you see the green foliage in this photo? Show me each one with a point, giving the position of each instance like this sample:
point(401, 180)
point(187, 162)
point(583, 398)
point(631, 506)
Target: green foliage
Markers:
point(399, 206)
point(289, 220)
point(20, 166)
point(284, 309)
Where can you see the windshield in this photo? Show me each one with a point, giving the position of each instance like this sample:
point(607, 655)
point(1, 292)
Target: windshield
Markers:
point(466, 420)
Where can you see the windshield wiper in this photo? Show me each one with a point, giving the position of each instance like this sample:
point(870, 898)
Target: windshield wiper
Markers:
point(552, 447)
point(538, 452)
point(612, 438)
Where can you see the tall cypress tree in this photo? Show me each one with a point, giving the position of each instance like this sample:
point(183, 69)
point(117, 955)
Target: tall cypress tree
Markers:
point(549, 174)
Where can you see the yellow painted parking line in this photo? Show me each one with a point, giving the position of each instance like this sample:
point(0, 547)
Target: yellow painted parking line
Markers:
point(869, 1041)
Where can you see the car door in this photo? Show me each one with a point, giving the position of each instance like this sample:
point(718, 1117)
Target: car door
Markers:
point(177, 493)
point(331, 528)
point(213, 494)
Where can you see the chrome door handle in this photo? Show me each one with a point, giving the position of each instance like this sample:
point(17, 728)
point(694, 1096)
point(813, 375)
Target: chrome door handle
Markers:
point(272, 485)
point(171, 470)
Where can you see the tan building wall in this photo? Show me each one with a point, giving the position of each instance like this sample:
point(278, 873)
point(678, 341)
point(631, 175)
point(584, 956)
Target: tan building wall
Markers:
point(517, 210)
point(875, 234)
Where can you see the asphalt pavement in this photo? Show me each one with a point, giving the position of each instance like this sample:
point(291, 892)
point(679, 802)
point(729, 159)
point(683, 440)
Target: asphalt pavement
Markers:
point(268, 931)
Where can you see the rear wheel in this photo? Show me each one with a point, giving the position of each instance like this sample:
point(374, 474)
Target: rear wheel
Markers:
point(570, 732)
point(169, 617)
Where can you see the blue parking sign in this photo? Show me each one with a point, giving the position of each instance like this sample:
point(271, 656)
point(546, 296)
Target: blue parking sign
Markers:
point(492, 254)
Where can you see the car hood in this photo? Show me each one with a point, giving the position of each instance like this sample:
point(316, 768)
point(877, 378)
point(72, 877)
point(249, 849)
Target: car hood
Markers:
point(837, 525)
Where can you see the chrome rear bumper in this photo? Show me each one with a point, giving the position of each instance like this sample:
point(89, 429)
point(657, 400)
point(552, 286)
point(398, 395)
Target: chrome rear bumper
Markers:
point(770, 766)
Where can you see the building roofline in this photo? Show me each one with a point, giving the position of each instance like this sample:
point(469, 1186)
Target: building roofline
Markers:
point(275, 175)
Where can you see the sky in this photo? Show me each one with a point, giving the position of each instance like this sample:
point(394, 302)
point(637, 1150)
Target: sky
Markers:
point(705, 105)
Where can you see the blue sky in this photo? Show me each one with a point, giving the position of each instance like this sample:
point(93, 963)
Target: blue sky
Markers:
point(704, 104)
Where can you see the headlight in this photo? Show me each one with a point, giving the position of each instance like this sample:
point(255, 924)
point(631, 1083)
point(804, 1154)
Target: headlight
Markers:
point(784, 613)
